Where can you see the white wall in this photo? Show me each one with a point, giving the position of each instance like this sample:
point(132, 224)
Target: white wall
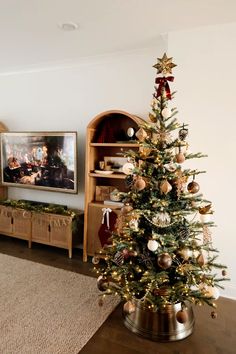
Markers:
point(67, 98)
point(205, 81)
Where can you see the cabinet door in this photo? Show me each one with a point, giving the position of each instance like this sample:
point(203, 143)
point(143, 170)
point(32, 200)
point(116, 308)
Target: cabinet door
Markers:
point(6, 219)
point(21, 223)
point(41, 227)
point(95, 216)
point(61, 230)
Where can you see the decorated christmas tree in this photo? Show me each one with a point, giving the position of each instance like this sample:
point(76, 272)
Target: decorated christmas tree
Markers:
point(161, 251)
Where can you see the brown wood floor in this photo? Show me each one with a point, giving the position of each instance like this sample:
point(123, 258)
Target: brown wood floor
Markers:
point(210, 336)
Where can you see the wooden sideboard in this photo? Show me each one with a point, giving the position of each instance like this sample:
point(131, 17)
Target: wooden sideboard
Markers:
point(46, 228)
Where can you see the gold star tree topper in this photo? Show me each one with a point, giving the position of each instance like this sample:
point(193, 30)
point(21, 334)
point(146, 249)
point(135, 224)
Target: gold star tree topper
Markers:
point(164, 65)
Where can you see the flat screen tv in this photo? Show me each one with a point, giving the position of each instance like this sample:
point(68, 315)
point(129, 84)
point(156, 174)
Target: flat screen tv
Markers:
point(42, 160)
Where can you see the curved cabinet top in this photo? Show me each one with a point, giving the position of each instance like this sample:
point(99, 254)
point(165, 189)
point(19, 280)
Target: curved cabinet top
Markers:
point(101, 116)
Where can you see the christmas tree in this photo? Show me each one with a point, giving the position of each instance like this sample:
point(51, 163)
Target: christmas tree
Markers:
point(161, 251)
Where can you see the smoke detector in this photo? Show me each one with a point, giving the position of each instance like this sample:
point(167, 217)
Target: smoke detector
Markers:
point(68, 26)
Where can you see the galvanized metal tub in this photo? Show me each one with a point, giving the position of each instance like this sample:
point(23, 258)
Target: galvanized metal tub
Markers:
point(160, 325)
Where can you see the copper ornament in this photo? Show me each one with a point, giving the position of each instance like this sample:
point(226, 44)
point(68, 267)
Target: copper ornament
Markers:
point(213, 314)
point(205, 209)
point(201, 260)
point(140, 184)
point(164, 260)
point(182, 316)
point(129, 307)
point(193, 187)
point(180, 158)
point(224, 273)
point(163, 291)
point(165, 187)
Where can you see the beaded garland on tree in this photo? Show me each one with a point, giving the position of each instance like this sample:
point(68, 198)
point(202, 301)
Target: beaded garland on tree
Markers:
point(162, 251)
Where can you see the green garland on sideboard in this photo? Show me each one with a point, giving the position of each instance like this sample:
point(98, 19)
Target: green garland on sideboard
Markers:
point(41, 208)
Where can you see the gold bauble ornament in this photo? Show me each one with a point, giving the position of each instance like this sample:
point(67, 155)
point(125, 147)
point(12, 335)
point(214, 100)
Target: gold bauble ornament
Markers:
point(129, 307)
point(182, 316)
point(126, 209)
point(139, 184)
point(185, 253)
point(141, 134)
point(165, 187)
point(144, 152)
point(152, 118)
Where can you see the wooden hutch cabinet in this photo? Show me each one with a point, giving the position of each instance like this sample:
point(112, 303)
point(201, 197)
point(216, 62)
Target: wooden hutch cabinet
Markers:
point(106, 137)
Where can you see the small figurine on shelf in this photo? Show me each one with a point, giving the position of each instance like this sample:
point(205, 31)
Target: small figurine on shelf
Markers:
point(101, 165)
point(130, 133)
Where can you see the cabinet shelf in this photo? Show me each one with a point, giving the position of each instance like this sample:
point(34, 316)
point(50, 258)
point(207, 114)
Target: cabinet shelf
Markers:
point(113, 175)
point(102, 205)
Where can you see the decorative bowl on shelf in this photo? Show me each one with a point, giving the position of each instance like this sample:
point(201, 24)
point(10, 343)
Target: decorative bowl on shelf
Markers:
point(103, 172)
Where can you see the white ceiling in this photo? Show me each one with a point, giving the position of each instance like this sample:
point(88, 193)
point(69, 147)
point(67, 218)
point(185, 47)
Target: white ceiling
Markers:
point(29, 33)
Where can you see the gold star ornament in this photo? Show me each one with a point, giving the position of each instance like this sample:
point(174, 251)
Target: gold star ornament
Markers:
point(164, 65)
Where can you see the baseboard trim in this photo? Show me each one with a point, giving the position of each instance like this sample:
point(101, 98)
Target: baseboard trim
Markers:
point(229, 292)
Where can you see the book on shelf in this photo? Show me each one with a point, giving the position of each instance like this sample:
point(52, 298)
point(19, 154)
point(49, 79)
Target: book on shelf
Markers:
point(111, 202)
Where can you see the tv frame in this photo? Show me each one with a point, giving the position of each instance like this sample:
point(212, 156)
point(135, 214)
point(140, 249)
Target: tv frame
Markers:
point(5, 146)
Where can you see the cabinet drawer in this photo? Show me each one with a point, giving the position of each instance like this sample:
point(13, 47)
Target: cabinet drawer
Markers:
point(60, 230)
point(6, 219)
point(40, 227)
point(21, 223)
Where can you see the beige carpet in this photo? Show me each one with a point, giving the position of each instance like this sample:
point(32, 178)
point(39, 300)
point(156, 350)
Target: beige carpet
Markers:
point(45, 310)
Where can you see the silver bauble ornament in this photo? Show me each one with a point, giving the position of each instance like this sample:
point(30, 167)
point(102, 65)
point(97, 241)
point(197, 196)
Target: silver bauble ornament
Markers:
point(166, 112)
point(152, 245)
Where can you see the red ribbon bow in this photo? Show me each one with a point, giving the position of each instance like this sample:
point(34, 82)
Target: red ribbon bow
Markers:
point(163, 83)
